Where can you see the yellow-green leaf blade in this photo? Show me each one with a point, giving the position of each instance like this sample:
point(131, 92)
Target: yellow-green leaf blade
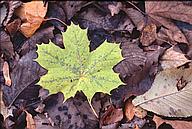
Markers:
point(75, 68)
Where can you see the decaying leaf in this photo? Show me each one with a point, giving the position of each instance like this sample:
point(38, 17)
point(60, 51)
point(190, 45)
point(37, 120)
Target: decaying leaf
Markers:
point(30, 121)
point(161, 13)
point(3, 11)
point(12, 6)
point(139, 112)
point(133, 62)
point(129, 113)
point(176, 124)
point(32, 14)
point(14, 26)
point(74, 113)
point(25, 72)
point(149, 35)
point(164, 98)
point(6, 74)
point(6, 45)
point(112, 115)
point(173, 58)
point(131, 110)
point(75, 68)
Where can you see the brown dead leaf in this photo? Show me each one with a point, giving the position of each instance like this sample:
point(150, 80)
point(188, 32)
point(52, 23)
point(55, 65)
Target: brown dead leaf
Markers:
point(30, 121)
point(112, 115)
point(6, 74)
point(13, 27)
point(176, 124)
point(173, 58)
point(162, 13)
point(149, 35)
point(129, 112)
point(32, 14)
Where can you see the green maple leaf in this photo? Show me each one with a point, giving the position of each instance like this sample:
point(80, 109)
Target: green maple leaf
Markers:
point(75, 68)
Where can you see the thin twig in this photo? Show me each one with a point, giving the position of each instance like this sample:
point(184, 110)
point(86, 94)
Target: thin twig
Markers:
point(136, 7)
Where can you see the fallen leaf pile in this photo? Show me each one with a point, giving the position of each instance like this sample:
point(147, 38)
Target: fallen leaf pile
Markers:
point(96, 64)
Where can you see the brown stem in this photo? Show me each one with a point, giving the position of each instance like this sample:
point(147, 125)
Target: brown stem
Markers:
point(52, 18)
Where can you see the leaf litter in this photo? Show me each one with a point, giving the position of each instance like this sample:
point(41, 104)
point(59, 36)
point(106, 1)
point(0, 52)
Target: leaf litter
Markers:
point(155, 42)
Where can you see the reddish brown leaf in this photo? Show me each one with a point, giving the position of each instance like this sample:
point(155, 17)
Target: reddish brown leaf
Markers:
point(149, 35)
point(14, 26)
point(129, 112)
point(112, 115)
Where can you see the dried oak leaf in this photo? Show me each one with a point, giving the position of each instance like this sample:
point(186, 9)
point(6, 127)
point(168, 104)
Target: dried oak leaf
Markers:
point(6, 45)
point(163, 12)
point(74, 113)
point(173, 58)
point(176, 124)
point(32, 14)
point(25, 72)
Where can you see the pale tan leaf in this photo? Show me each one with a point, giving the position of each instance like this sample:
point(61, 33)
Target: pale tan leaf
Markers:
point(6, 74)
point(30, 121)
point(164, 98)
point(32, 14)
point(173, 59)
